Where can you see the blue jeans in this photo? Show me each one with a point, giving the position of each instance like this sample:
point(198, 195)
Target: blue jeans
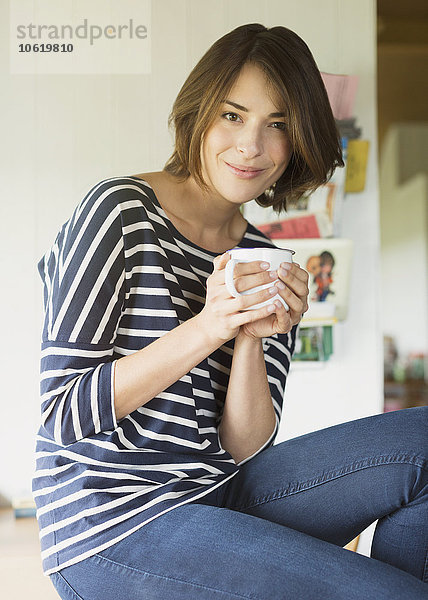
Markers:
point(276, 530)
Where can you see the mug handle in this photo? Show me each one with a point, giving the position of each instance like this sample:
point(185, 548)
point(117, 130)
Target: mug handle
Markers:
point(228, 278)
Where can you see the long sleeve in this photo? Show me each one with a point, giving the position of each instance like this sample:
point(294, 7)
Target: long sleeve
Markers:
point(278, 351)
point(118, 277)
point(84, 282)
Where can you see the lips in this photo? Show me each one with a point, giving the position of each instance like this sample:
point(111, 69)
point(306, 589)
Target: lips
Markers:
point(244, 168)
point(243, 171)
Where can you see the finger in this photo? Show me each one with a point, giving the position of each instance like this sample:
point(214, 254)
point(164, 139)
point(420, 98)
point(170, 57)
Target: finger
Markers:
point(248, 268)
point(295, 293)
point(296, 304)
point(250, 316)
point(295, 270)
point(220, 261)
point(283, 317)
point(246, 301)
point(247, 282)
point(291, 280)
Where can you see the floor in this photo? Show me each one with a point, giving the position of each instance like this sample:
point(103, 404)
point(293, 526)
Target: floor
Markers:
point(21, 576)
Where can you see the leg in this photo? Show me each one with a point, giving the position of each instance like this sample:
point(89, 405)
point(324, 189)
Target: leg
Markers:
point(333, 483)
point(202, 552)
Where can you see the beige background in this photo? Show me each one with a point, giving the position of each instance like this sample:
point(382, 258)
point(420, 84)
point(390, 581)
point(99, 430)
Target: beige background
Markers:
point(63, 133)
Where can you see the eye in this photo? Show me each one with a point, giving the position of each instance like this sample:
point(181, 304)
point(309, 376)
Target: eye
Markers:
point(231, 116)
point(279, 125)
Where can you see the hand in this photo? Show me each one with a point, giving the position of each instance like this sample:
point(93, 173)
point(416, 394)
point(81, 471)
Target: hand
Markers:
point(293, 288)
point(223, 316)
point(296, 289)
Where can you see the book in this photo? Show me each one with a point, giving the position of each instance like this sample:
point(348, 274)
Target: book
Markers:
point(328, 199)
point(341, 91)
point(348, 128)
point(303, 225)
point(356, 165)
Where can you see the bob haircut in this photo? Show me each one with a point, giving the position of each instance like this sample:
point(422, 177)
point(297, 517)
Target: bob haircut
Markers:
point(296, 86)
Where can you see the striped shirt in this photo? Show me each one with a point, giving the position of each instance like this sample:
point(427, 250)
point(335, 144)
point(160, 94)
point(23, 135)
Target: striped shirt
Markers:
point(118, 277)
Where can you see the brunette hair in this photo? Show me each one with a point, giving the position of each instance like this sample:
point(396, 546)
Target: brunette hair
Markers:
point(294, 80)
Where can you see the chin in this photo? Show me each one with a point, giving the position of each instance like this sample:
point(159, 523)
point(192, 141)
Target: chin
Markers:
point(240, 195)
point(240, 199)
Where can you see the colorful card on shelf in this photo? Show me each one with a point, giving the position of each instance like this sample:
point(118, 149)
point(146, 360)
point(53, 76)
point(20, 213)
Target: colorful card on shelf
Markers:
point(329, 263)
point(300, 224)
point(341, 91)
point(356, 165)
point(314, 344)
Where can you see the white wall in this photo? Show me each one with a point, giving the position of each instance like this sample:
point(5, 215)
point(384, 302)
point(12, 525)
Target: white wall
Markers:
point(62, 133)
point(351, 384)
point(404, 226)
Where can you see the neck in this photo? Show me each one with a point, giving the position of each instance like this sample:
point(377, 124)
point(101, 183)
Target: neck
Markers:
point(203, 207)
point(206, 219)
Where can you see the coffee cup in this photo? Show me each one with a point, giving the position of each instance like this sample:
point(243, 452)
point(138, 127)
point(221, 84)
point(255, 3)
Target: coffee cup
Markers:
point(273, 256)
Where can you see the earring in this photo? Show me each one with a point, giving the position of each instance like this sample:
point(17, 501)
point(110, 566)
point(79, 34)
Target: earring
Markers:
point(270, 192)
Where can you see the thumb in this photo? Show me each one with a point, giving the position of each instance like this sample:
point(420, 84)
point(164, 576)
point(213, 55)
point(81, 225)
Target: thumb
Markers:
point(220, 261)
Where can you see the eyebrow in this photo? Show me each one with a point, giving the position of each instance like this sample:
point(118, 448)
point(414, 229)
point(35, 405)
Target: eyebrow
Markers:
point(239, 107)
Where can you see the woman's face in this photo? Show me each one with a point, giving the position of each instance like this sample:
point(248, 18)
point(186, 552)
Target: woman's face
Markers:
point(247, 148)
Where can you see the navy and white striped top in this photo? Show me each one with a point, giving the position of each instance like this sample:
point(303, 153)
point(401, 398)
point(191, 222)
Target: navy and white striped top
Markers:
point(118, 277)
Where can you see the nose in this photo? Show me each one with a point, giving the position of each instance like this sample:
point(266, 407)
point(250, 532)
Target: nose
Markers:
point(250, 143)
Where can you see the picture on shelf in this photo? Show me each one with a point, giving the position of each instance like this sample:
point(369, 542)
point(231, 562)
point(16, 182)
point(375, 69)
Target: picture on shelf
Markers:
point(320, 267)
point(328, 262)
point(314, 344)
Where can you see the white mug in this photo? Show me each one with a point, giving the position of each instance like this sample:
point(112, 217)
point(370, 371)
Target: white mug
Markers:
point(273, 256)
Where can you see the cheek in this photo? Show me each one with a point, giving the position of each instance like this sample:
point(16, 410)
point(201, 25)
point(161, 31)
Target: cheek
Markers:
point(280, 151)
point(217, 140)
point(284, 152)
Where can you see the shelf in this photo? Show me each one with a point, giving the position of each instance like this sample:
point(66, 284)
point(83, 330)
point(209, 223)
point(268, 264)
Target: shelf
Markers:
point(314, 322)
point(405, 394)
point(307, 365)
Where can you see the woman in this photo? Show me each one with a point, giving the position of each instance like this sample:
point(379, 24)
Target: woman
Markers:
point(161, 395)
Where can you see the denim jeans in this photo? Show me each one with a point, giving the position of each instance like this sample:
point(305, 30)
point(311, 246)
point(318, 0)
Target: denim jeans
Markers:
point(276, 530)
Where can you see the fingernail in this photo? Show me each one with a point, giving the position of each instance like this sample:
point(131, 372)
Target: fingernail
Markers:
point(273, 275)
point(271, 307)
point(283, 272)
point(286, 266)
point(280, 285)
point(273, 290)
point(264, 265)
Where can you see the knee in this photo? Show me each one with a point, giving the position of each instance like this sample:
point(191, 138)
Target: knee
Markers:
point(412, 424)
point(417, 414)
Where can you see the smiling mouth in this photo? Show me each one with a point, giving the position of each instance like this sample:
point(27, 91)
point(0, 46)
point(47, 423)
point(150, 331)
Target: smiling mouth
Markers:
point(244, 172)
point(245, 169)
